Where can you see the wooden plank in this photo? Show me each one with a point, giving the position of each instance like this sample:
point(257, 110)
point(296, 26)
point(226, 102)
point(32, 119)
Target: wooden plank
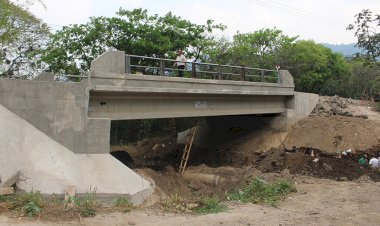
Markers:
point(6, 191)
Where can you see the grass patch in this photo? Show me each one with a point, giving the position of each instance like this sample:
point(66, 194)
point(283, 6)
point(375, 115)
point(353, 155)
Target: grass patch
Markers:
point(123, 204)
point(259, 192)
point(210, 205)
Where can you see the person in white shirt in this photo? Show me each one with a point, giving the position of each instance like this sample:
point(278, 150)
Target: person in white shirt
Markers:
point(180, 62)
point(374, 162)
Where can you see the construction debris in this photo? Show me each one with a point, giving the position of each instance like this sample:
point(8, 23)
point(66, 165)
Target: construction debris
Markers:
point(334, 105)
point(6, 191)
point(11, 181)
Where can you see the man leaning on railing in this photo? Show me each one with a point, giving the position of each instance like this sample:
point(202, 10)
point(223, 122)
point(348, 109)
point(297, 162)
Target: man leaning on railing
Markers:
point(180, 62)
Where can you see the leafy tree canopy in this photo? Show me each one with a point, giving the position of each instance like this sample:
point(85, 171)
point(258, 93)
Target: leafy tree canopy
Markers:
point(260, 48)
point(314, 66)
point(134, 32)
point(366, 28)
point(22, 35)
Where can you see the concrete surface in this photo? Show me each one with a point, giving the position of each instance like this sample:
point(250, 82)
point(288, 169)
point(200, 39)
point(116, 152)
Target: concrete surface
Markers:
point(300, 106)
point(48, 167)
point(59, 110)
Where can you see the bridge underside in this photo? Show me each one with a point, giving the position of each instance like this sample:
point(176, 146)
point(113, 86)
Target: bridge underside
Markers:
point(133, 105)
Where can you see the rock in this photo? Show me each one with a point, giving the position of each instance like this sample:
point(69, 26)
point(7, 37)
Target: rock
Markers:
point(364, 178)
point(285, 172)
point(343, 179)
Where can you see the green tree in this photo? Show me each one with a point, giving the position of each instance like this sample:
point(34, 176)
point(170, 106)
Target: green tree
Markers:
point(72, 49)
point(21, 37)
point(363, 75)
point(260, 48)
point(366, 33)
point(315, 67)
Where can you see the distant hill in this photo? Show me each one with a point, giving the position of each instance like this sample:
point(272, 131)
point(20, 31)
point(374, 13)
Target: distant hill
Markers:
point(345, 49)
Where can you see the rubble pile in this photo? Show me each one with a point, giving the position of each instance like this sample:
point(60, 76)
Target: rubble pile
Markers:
point(334, 105)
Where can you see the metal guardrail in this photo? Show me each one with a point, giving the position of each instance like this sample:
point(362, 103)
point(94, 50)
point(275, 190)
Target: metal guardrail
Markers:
point(69, 78)
point(135, 64)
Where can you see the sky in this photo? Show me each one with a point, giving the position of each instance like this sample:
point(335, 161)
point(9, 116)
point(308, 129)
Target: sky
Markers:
point(323, 21)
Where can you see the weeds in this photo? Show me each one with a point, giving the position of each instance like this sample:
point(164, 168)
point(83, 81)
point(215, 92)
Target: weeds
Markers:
point(31, 203)
point(87, 204)
point(31, 209)
point(124, 204)
point(210, 205)
point(3, 198)
point(259, 192)
point(174, 203)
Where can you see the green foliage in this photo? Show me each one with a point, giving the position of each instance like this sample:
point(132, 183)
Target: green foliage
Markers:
point(366, 29)
point(3, 198)
point(28, 197)
point(259, 192)
point(31, 203)
point(124, 204)
point(22, 35)
point(315, 67)
point(31, 209)
point(256, 49)
point(134, 32)
point(210, 205)
point(87, 204)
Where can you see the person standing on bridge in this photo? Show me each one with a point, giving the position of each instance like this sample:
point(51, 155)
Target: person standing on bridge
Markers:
point(180, 62)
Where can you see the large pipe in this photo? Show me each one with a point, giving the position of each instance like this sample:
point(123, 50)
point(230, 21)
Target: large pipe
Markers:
point(210, 179)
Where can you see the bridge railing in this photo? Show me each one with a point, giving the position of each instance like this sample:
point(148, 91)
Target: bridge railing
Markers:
point(135, 64)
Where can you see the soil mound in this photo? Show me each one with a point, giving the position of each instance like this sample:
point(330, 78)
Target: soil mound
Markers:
point(334, 133)
point(314, 162)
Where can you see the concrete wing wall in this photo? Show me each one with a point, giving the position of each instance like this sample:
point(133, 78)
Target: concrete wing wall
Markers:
point(48, 166)
point(301, 105)
point(59, 110)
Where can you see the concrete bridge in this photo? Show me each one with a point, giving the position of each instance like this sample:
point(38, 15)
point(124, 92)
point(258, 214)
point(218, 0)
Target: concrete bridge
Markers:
point(78, 115)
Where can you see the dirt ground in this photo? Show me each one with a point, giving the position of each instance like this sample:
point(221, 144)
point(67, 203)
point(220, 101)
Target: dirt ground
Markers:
point(317, 202)
point(332, 189)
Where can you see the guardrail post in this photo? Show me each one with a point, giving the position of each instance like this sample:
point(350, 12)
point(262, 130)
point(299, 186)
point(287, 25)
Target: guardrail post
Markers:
point(243, 71)
point(127, 64)
point(262, 76)
point(162, 67)
point(219, 72)
point(193, 69)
